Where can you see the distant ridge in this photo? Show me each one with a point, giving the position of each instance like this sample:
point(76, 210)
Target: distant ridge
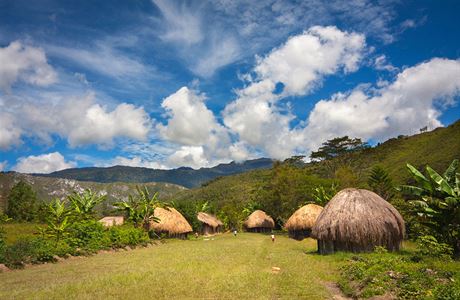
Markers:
point(183, 176)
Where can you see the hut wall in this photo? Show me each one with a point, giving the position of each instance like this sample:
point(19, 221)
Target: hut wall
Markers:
point(299, 234)
point(206, 229)
point(259, 229)
point(329, 247)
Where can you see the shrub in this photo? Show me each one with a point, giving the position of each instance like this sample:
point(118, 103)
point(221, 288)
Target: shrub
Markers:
point(429, 246)
point(122, 236)
point(88, 235)
point(2, 245)
point(29, 250)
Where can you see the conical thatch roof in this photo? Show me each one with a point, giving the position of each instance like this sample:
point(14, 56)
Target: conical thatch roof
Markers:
point(303, 218)
point(171, 221)
point(358, 220)
point(259, 219)
point(209, 219)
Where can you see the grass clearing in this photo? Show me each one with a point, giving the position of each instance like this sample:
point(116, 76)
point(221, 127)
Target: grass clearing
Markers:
point(227, 267)
point(16, 231)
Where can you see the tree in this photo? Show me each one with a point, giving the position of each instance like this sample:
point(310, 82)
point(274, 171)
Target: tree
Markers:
point(140, 209)
point(83, 204)
point(336, 147)
point(22, 202)
point(381, 183)
point(436, 201)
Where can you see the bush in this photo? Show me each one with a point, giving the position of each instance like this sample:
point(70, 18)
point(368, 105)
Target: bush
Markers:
point(29, 250)
point(122, 236)
point(430, 247)
point(88, 235)
point(374, 274)
point(2, 246)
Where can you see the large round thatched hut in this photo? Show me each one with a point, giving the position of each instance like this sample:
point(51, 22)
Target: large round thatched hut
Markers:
point(259, 221)
point(358, 220)
point(300, 224)
point(210, 223)
point(171, 222)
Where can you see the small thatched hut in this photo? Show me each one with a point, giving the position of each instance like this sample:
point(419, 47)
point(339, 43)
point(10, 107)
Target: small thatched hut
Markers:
point(112, 221)
point(259, 221)
point(300, 224)
point(210, 223)
point(358, 220)
point(171, 222)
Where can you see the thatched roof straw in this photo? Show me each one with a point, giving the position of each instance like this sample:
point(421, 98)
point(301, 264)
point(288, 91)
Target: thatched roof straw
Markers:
point(171, 221)
point(303, 218)
point(358, 220)
point(111, 221)
point(259, 219)
point(209, 219)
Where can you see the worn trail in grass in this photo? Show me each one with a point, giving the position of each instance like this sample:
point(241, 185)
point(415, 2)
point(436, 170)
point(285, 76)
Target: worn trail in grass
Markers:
point(227, 267)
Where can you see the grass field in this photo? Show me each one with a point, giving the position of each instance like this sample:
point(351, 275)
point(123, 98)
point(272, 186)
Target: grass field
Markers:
point(226, 267)
point(16, 231)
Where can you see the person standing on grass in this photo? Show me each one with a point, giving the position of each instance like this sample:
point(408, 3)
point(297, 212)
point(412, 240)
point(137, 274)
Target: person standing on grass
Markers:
point(234, 232)
point(273, 237)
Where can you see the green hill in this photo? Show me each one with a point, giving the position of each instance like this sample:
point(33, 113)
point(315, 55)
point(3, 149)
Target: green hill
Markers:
point(285, 187)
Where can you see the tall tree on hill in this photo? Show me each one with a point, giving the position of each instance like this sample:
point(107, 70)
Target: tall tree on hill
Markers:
point(337, 147)
point(22, 202)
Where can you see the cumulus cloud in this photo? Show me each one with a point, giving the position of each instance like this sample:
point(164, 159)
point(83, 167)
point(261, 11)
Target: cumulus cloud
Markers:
point(45, 163)
point(10, 133)
point(381, 64)
point(190, 122)
point(203, 141)
point(25, 63)
point(414, 100)
point(298, 66)
point(79, 119)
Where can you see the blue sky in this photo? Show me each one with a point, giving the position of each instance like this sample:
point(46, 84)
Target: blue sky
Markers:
point(164, 84)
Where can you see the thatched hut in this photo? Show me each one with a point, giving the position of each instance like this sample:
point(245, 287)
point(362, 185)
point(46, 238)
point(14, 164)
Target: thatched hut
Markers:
point(112, 221)
point(358, 220)
point(300, 224)
point(210, 223)
point(171, 222)
point(259, 221)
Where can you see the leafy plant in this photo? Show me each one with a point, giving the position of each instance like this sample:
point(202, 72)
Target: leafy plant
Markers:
point(58, 220)
point(437, 202)
point(83, 204)
point(429, 246)
point(322, 195)
point(140, 209)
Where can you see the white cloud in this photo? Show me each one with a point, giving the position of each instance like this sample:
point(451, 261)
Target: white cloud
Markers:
point(381, 63)
point(102, 58)
point(299, 65)
point(183, 24)
point(26, 63)
point(10, 133)
point(3, 165)
point(79, 119)
point(190, 156)
point(135, 161)
point(45, 163)
point(190, 122)
point(414, 100)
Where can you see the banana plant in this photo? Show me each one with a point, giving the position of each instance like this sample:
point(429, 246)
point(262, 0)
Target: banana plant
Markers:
point(58, 219)
point(140, 209)
point(83, 204)
point(436, 200)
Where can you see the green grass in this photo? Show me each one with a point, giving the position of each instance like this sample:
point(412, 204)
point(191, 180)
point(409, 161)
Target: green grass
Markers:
point(16, 231)
point(227, 267)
